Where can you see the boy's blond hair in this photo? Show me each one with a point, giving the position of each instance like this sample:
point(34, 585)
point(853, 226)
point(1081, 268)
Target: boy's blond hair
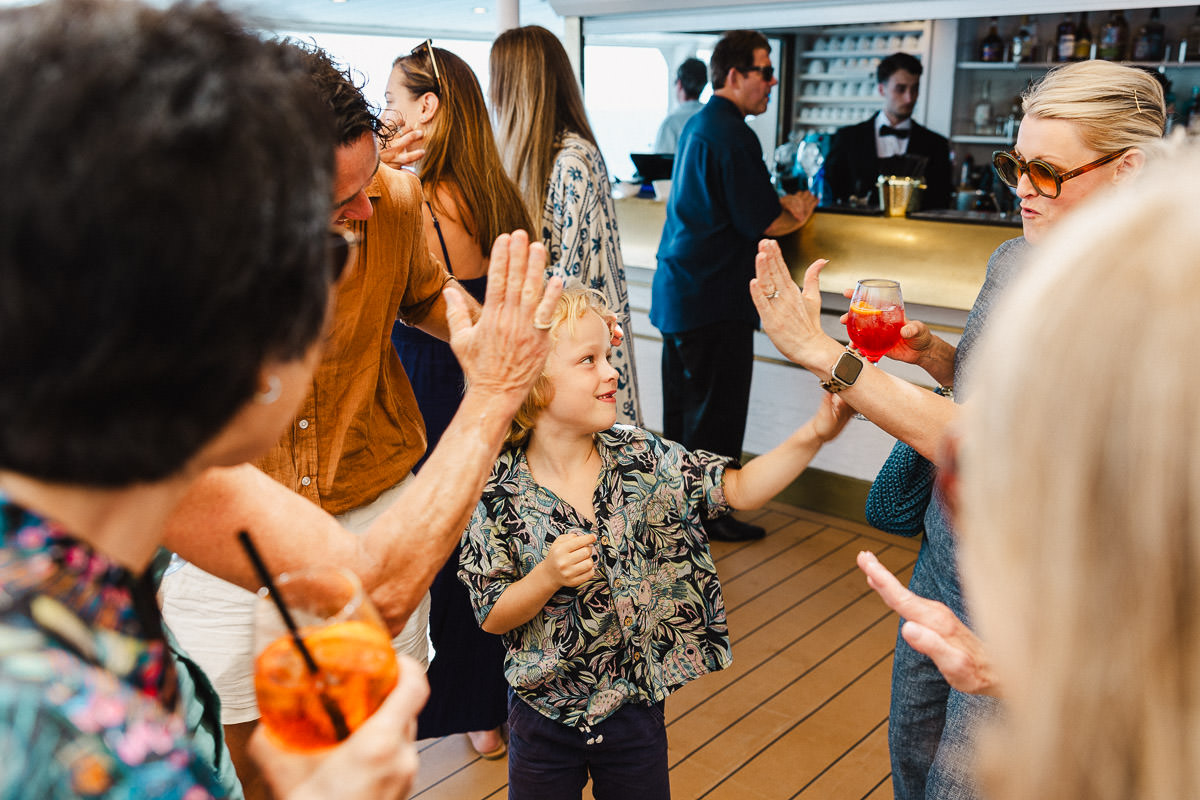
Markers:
point(576, 301)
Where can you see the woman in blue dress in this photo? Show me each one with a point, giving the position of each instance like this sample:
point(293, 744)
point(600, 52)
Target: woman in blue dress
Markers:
point(469, 201)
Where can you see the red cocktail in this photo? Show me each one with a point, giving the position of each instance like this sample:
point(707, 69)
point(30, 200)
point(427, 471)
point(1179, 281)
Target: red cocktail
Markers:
point(876, 317)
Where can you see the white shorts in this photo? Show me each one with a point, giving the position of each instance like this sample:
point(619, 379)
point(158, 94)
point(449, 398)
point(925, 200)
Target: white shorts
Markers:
point(213, 621)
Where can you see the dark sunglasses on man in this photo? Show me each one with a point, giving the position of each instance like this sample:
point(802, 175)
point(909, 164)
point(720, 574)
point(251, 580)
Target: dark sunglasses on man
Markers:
point(767, 72)
point(1045, 178)
point(343, 247)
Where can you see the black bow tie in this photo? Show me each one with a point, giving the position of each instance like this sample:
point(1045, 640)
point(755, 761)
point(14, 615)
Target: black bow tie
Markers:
point(899, 133)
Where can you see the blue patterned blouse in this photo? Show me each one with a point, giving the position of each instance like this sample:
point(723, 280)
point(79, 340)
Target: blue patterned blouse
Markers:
point(87, 692)
point(579, 229)
point(652, 618)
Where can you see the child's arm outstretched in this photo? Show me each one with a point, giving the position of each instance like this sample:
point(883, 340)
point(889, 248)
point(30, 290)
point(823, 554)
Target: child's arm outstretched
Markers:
point(568, 562)
point(766, 476)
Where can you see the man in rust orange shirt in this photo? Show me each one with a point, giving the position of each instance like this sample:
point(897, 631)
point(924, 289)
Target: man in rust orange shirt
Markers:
point(359, 433)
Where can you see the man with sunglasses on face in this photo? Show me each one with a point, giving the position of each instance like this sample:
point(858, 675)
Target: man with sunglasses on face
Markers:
point(358, 433)
point(860, 153)
point(721, 203)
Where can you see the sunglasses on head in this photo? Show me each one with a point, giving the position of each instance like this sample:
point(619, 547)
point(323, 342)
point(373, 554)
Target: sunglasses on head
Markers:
point(427, 45)
point(1045, 178)
point(767, 72)
point(343, 246)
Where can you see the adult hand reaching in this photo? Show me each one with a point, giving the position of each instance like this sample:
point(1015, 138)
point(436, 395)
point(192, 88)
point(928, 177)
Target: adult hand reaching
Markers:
point(800, 205)
point(791, 317)
point(502, 353)
point(401, 150)
point(379, 760)
point(933, 629)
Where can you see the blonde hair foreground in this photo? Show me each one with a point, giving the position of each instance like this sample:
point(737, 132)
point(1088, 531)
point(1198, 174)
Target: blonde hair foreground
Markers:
point(1081, 501)
point(1114, 107)
point(576, 301)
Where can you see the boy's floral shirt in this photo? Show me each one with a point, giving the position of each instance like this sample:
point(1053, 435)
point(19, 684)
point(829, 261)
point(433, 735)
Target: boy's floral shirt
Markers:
point(650, 620)
point(87, 692)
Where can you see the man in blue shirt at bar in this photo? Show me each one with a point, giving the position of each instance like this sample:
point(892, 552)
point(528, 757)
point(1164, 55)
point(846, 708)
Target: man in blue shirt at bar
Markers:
point(721, 203)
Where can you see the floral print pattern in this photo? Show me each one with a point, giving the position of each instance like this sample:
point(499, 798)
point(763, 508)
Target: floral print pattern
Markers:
point(652, 618)
point(87, 690)
point(579, 229)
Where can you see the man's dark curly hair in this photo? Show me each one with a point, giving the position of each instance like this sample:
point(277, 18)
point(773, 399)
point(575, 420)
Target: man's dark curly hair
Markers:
point(336, 86)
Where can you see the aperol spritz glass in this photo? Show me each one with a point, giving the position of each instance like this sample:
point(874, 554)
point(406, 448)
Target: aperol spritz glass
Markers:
point(348, 642)
point(876, 317)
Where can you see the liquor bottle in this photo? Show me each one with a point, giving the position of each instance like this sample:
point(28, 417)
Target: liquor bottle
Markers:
point(1064, 43)
point(982, 115)
point(1192, 46)
point(1114, 38)
point(1149, 44)
point(1022, 42)
point(1083, 39)
point(992, 46)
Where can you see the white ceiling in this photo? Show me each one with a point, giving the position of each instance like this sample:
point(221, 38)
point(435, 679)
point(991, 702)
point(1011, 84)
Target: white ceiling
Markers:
point(436, 18)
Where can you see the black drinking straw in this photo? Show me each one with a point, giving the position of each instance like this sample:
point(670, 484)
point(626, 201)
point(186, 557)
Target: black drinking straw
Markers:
point(340, 728)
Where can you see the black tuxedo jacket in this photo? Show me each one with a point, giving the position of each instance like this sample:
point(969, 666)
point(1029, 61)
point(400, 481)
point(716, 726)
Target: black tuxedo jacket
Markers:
point(852, 166)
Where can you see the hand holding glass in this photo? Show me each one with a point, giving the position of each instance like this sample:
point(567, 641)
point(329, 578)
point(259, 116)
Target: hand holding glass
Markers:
point(347, 639)
point(876, 317)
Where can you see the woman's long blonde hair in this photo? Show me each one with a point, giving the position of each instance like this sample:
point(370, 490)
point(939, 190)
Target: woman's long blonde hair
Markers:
point(1081, 481)
point(536, 100)
point(460, 150)
point(576, 300)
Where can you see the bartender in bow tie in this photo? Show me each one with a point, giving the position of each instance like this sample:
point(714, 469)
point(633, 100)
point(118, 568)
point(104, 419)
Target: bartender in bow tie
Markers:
point(890, 142)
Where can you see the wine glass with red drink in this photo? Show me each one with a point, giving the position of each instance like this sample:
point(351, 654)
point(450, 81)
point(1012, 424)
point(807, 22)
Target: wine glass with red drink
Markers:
point(876, 317)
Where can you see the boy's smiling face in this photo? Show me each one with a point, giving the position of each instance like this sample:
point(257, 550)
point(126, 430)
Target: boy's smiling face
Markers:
point(585, 384)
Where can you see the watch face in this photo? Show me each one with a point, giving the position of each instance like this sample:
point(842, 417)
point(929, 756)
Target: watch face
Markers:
point(848, 368)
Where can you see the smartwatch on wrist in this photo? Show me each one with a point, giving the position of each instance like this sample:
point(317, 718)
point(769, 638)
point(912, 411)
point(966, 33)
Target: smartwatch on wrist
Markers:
point(844, 373)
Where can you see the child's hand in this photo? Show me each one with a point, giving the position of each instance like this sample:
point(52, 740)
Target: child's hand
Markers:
point(569, 560)
point(831, 417)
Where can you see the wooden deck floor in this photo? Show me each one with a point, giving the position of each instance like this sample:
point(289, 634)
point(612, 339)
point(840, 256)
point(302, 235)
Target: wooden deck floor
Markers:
point(801, 713)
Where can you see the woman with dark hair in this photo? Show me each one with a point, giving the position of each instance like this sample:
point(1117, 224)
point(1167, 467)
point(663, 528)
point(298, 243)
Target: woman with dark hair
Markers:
point(469, 201)
point(164, 297)
point(551, 153)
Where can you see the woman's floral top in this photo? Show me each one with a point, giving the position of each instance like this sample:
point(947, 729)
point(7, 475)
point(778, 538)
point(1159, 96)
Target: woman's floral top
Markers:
point(87, 692)
point(579, 229)
point(651, 619)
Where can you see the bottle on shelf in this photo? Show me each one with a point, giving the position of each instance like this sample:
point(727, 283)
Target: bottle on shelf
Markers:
point(981, 117)
point(1191, 48)
point(1064, 40)
point(1083, 39)
point(1022, 42)
point(991, 49)
point(1114, 38)
point(1150, 42)
point(1193, 114)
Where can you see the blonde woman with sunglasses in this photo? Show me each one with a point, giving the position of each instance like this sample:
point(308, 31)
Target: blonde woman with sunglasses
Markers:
point(1087, 127)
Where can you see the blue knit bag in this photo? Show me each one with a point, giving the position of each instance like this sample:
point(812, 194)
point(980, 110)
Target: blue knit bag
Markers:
point(901, 491)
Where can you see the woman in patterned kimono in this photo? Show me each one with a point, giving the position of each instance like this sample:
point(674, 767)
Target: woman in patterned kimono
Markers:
point(551, 153)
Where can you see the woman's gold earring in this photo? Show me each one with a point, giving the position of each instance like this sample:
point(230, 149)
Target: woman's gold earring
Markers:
point(271, 393)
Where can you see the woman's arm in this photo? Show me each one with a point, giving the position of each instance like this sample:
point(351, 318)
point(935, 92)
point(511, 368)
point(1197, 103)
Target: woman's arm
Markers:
point(792, 320)
point(766, 476)
point(568, 562)
point(933, 629)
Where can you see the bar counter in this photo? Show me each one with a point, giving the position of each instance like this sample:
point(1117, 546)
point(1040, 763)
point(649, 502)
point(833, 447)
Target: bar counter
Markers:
point(938, 257)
